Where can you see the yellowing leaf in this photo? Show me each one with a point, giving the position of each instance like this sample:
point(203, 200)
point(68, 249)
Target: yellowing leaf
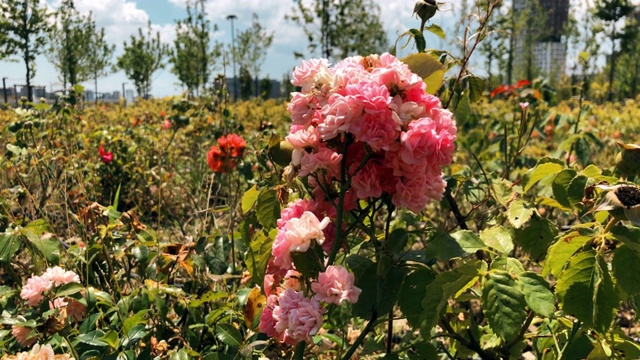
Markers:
point(255, 303)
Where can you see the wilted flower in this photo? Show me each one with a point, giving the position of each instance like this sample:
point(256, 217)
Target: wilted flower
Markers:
point(22, 335)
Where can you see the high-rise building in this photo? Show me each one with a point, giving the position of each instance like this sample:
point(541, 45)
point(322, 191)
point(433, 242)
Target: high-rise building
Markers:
point(548, 53)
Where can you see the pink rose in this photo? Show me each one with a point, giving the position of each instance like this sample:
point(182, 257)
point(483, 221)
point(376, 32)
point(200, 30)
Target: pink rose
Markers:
point(60, 277)
point(336, 285)
point(34, 290)
point(366, 182)
point(304, 320)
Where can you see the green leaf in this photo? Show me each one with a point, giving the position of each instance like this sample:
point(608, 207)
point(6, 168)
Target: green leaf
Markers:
point(49, 247)
point(469, 241)
point(518, 213)
point(537, 293)
point(229, 335)
point(434, 82)
point(134, 334)
point(536, 237)
point(585, 289)
point(137, 319)
point(462, 111)
point(498, 238)
point(309, 263)
point(422, 64)
point(397, 240)
point(257, 256)
point(443, 247)
point(436, 30)
point(414, 287)
point(111, 338)
point(560, 252)
point(503, 304)
point(366, 272)
point(628, 235)
point(69, 289)
point(560, 186)
point(626, 267)
point(449, 284)
point(268, 209)
point(421, 44)
point(93, 338)
point(575, 191)
point(477, 86)
point(508, 264)
point(9, 245)
point(541, 171)
point(249, 198)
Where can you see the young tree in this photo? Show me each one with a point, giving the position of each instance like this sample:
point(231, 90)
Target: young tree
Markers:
point(341, 27)
point(251, 49)
point(69, 42)
point(24, 32)
point(610, 12)
point(245, 83)
point(99, 56)
point(141, 58)
point(193, 58)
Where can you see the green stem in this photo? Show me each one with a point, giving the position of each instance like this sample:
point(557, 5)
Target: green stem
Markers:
point(73, 350)
point(299, 354)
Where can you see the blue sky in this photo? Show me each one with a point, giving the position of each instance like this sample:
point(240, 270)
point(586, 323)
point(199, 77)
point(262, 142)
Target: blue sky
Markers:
point(121, 18)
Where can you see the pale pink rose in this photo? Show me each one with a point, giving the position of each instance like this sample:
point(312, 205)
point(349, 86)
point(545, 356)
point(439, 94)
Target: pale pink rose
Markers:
point(411, 193)
point(324, 159)
point(294, 209)
point(378, 129)
point(339, 114)
point(406, 111)
point(23, 335)
point(34, 290)
point(281, 251)
point(41, 352)
point(304, 75)
point(524, 105)
point(335, 285)
point(419, 142)
point(267, 322)
point(304, 320)
point(300, 137)
point(366, 182)
point(289, 299)
point(58, 303)
point(60, 277)
point(269, 285)
point(302, 108)
point(166, 124)
point(299, 232)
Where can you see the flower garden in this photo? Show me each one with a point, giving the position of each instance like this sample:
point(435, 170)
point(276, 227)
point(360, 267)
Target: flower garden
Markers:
point(370, 216)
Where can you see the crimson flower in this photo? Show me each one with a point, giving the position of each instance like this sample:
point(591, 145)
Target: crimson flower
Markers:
point(106, 156)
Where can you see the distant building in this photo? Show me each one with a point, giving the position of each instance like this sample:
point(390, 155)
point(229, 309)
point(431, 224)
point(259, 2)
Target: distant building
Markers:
point(548, 53)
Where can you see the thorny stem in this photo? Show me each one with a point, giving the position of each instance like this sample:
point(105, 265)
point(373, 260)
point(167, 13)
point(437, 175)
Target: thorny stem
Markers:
point(480, 35)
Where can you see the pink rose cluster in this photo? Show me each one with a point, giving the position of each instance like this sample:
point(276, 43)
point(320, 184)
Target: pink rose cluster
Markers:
point(41, 352)
point(293, 314)
point(37, 286)
point(375, 112)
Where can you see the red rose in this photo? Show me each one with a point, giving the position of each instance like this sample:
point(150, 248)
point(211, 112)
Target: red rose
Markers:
point(107, 156)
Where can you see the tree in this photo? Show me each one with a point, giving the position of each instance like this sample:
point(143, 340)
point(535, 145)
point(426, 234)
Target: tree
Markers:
point(245, 83)
point(610, 12)
point(251, 49)
point(99, 55)
point(69, 42)
point(24, 34)
point(141, 58)
point(193, 58)
point(341, 27)
point(629, 59)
